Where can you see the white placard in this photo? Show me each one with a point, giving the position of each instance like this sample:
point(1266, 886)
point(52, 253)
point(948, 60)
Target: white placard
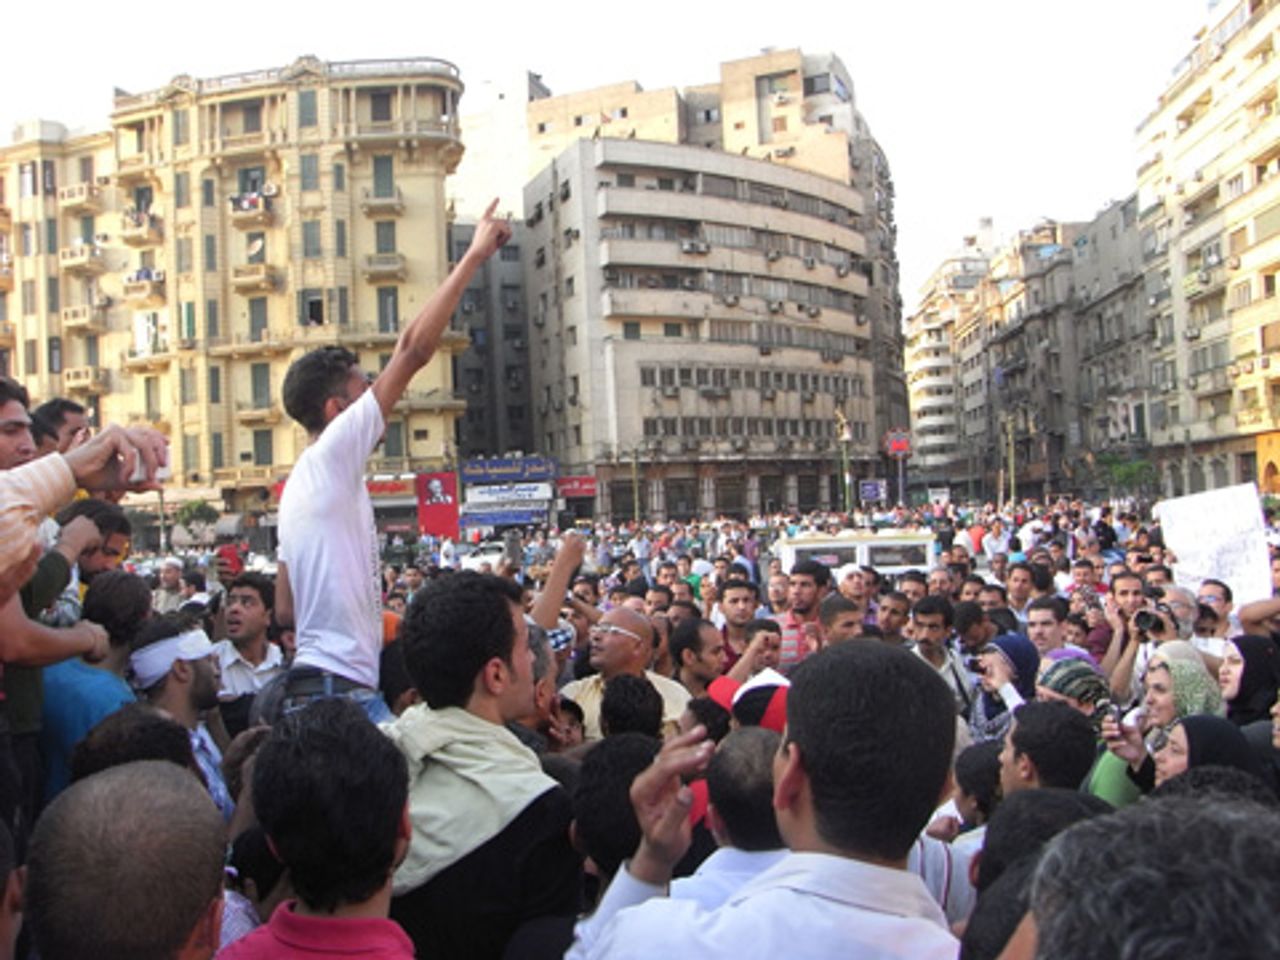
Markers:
point(509, 493)
point(1219, 534)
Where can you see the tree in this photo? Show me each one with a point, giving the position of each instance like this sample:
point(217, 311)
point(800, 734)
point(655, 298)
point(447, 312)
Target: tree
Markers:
point(198, 516)
point(1124, 475)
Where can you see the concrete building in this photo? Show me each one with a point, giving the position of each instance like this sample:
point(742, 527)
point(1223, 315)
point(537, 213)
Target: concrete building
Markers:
point(1209, 217)
point(779, 131)
point(169, 269)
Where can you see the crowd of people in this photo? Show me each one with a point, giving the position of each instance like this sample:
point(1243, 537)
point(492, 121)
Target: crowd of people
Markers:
point(623, 743)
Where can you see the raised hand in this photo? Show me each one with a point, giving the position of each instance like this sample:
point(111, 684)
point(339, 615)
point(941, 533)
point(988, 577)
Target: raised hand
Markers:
point(661, 803)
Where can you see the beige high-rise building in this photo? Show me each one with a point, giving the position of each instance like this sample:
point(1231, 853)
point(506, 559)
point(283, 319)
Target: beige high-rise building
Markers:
point(1209, 216)
point(169, 269)
point(724, 229)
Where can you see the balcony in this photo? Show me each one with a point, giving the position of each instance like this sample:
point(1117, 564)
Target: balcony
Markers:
point(156, 356)
point(258, 412)
point(80, 198)
point(431, 401)
point(6, 219)
point(8, 335)
point(244, 477)
point(385, 335)
point(145, 287)
point(454, 340)
point(254, 278)
point(140, 229)
point(86, 319)
point(256, 343)
point(6, 273)
point(381, 267)
point(84, 380)
point(375, 130)
point(82, 259)
point(251, 210)
point(377, 203)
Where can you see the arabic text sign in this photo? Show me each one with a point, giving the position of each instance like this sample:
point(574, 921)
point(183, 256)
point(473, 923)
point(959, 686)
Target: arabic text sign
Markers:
point(1219, 534)
point(509, 493)
point(508, 470)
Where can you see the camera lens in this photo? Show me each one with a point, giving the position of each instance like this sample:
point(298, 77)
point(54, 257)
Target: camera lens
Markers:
point(1148, 622)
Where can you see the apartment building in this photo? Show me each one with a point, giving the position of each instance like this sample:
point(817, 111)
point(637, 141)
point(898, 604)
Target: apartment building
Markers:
point(1209, 219)
point(169, 269)
point(778, 130)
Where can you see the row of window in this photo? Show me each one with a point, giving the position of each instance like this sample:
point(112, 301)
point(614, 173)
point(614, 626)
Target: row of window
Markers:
point(734, 378)
point(720, 427)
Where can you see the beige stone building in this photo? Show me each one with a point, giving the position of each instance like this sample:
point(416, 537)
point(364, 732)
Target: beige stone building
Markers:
point(734, 216)
point(169, 269)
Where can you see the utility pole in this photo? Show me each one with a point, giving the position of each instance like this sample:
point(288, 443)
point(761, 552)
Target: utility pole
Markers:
point(635, 486)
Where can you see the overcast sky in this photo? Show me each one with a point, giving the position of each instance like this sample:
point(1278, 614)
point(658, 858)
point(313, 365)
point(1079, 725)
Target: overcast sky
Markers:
point(1014, 109)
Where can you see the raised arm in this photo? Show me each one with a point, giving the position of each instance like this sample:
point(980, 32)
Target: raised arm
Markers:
point(417, 343)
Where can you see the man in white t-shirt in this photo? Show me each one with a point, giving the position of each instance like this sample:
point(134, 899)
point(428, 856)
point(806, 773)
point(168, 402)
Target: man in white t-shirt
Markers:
point(328, 581)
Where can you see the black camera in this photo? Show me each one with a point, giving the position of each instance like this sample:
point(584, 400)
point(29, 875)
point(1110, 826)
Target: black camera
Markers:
point(1149, 621)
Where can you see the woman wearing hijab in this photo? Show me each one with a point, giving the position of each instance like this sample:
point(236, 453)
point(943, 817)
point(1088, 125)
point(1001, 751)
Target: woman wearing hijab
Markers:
point(1249, 677)
point(1009, 665)
point(1201, 741)
point(1176, 687)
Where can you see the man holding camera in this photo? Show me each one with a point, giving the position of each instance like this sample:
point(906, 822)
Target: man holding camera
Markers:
point(1139, 623)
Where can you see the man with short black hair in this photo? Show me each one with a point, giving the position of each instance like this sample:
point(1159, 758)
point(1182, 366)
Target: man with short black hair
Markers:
point(630, 705)
point(841, 619)
point(128, 863)
point(490, 848)
point(1046, 624)
point(740, 817)
point(68, 419)
point(247, 660)
point(914, 584)
point(847, 806)
point(801, 626)
point(330, 792)
point(739, 600)
point(698, 651)
point(931, 620)
point(1019, 585)
point(891, 616)
point(993, 597)
point(1047, 745)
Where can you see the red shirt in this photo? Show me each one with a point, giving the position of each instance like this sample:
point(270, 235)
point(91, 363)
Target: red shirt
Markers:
point(795, 645)
point(292, 936)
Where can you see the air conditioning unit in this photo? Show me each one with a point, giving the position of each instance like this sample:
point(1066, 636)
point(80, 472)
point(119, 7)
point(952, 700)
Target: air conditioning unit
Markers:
point(768, 393)
point(775, 306)
point(1152, 301)
point(539, 320)
point(158, 276)
point(702, 246)
point(688, 246)
point(1265, 363)
point(815, 311)
point(784, 152)
point(738, 443)
point(101, 237)
point(773, 255)
point(781, 99)
point(1192, 333)
point(475, 388)
point(765, 349)
point(807, 396)
point(1192, 382)
point(103, 181)
point(689, 283)
point(730, 299)
point(1233, 263)
point(270, 189)
point(689, 443)
point(468, 307)
point(810, 263)
point(513, 304)
point(671, 392)
point(842, 270)
point(1203, 276)
point(1233, 371)
point(564, 190)
point(517, 344)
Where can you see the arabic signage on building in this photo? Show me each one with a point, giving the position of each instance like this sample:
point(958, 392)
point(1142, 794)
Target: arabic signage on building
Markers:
point(573, 487)
point(508, 470)
point(509, 493)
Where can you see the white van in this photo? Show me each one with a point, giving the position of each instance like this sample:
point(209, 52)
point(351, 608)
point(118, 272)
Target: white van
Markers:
point(891, 551)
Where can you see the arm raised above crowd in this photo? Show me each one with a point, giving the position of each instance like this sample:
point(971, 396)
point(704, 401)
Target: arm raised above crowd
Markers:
point(417, 344)
point(546, 609)
point(1256, 617)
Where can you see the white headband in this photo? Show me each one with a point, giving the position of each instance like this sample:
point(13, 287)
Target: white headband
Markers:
point(152, 662)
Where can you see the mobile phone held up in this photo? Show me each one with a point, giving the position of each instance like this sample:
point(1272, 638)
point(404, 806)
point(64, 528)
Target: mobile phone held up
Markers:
point(139, 474)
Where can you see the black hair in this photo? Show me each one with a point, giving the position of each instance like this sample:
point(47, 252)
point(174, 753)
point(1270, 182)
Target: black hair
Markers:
point(455, 626)
point(998, 911)
point(393, 673)
point(630, 704)
point(54, 412)
point(1041, 577)
point(1083, 564)
point(1226, 590)
point(311, 380)
point(106, 516)
point(1159, 568)
point(740, 785)
point(687, 636)
point(137, 731)
point(262, 584)
point(966, 614)
point(760, 625)
point(329, 790)
point(750, 707)
point(195, 579)
point(739, 583)
point(834, 604)
point(118, 602)
point(997, 588)
point(572, 709)
point(934, 604)
point(251, 859)
point(42, 429)
point(662, 589)
point(605, 822)
point(685, 605)
point(977, 773)
point(1025, 821)
point(913, 576)
point(1058, 739)
point(1054, 605)
point(973, 578)
point(812, 568)
point(851, 711)
point(1004, 620)
point(11, 389)
point(712, 716)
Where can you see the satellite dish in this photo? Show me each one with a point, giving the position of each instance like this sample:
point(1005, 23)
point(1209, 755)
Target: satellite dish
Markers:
point(257, 247)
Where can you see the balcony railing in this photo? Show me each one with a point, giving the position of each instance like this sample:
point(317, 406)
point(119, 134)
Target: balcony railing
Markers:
point(140, 229)
point(257, 411)
point(6, 276)
point(80, 198)
point(251, 210)
point(85, 318)
point(432, 401)
point(84, 380)
point(146, 286)
point(85, 259)
point(384, 203)
point(384, 266)
point(8, 335)
point(254, 277)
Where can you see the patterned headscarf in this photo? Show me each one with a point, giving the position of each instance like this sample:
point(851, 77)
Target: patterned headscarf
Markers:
point(1195, 690)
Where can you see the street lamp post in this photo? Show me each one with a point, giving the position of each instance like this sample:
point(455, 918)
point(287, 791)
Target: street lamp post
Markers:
point(846, 438)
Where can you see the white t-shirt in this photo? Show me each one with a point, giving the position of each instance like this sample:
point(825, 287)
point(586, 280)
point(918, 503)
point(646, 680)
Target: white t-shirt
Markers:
point(330, 545)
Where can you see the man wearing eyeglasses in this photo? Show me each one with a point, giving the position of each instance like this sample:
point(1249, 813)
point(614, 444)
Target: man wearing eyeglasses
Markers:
point(622, 642)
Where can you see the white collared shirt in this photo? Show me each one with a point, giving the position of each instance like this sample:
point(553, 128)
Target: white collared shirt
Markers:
point(809, 905)
point(723, 874)
point(239, 676)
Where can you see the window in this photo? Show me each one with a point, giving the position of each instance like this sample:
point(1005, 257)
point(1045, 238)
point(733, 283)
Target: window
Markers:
point(710, 115)
point(206, 191)
point(393, 441)
point(384, 181)
point(251, 116)
point(52, 295)
point(388, 309)
point(55, 354)
point(510, 253)
point(631, 330)
point(27, 240)
point(187, 385)
point(1235, 186)
point(340, 238)
point(51, 236)
point(187, 324)
point(216, 459)
point(86, 229)
point(310, 171)
point(673, 330)
point(27, 186)
point(258, 319)
point(311, 239)
point(211, 319)
point(819, 84)
point(310, 307)
point(339, 177)
point(185, 256)
point(568, 287)
point(307, 108)
point(626, 179)
point(260, 379)
point(647, 376)
point(384, 232)
point(215, 384)
point(191, 451)
point(666, 183)
point(91, 355)
point(380, 106)
point(31, 357)
point(210, 252)
point(86, 170)
point(343, 316)
point(182, 189)
point(49, 176)
point(181, 127)
point(262, 452)
point(151, 397)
